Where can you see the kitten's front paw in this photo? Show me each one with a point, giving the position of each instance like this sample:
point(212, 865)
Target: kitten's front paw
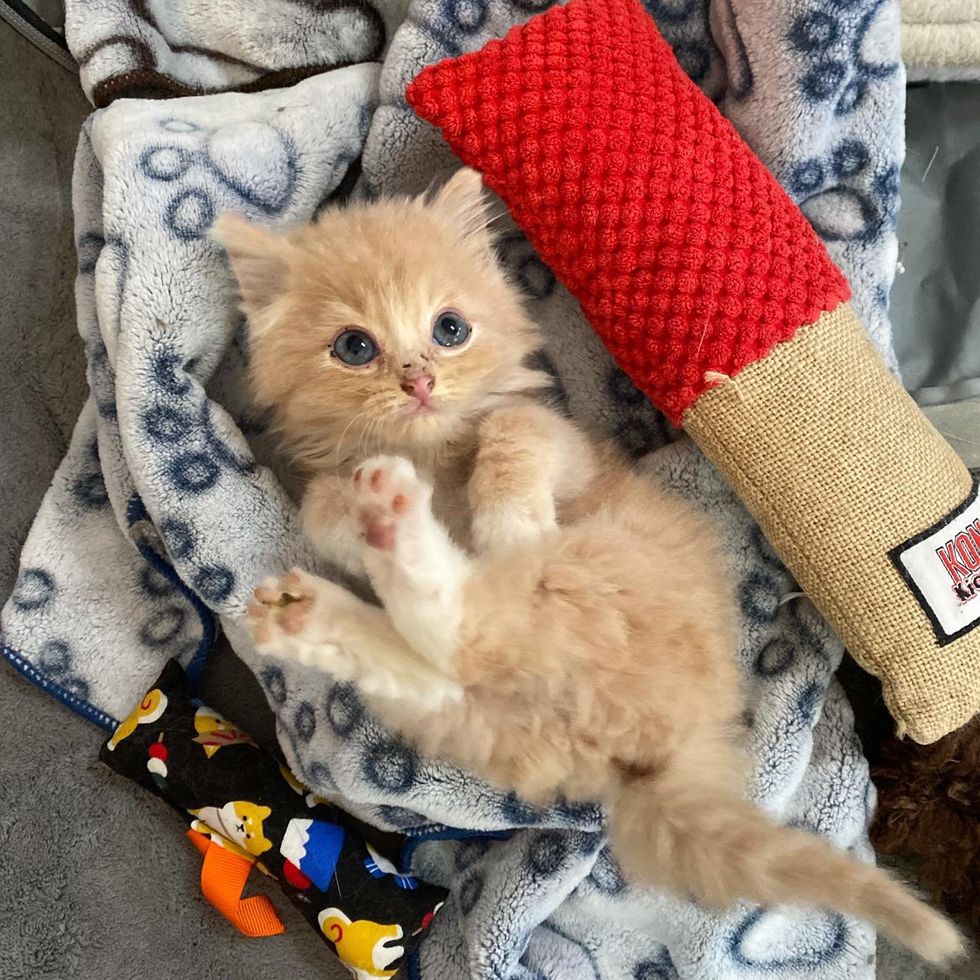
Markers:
point(512, 525)
point(389, 496)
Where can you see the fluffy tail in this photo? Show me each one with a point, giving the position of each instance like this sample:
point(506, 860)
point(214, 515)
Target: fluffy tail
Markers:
point(688, 839)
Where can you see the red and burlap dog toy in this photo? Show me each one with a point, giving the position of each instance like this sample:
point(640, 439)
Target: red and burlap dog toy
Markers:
point(715, 295)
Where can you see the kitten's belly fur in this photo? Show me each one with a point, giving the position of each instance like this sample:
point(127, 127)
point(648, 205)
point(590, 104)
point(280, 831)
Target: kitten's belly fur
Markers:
point(612, 637)
point(449, 500)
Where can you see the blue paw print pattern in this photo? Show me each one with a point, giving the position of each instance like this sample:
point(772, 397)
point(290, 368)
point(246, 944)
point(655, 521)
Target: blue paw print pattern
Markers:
point(683, 24)
point(344, 710)
point(87, 487)
point(304, 721)
point(759, 596)
point(320, 776)
point(775, 658)
point(178, 537)
point(390, 765)
point(190, 213)
point(639, 428)
point(193, 473)
point(671, 11)
point(170, 372)
point(154, 583)
point(832, 39)
point(101, 378)
point(547, 851)
point(751, 944)
point(557, 397)
point(264, 179)
point(814, 32)
point(464, 16)
point(659, 967)
point(808, 703)
point(400, 817)
point(35, 589)
point(454, 26)
point(841, 198)
point(88, 247)
point(536, 280)
point(214, 583)
point(517, 812)
point(824, 80)
point(605, 875)
point(163, 627)
point(197, 467)
point(273, 682)
point(165, 424)
point(178, 126)
point(56, 659)
point(168, 427)
point(240, 463)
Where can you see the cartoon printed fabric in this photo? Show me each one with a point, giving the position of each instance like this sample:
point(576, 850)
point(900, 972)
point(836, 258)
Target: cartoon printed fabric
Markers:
point(172, 501)
point(342, 875)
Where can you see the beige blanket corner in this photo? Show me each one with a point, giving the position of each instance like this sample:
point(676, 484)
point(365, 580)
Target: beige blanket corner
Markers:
point(941, 39)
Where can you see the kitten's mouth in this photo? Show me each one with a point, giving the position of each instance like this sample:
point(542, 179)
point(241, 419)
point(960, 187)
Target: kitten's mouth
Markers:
point(416, 409)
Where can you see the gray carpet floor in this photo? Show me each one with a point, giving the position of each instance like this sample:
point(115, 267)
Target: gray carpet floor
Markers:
point(96, 879)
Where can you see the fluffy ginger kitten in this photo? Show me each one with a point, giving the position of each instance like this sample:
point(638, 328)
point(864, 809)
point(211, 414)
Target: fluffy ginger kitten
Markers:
point(543, 619)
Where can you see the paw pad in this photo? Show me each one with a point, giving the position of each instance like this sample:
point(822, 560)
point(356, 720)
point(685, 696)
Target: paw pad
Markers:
point(388, 490)
point(281, 607)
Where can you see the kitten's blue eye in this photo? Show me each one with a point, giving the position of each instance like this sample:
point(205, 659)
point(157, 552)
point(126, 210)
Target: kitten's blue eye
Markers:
point(450, 330)
point(355, 347)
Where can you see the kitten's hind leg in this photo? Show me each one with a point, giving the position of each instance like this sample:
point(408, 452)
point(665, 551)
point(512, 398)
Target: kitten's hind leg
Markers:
point(414, 566)
point(319, 623)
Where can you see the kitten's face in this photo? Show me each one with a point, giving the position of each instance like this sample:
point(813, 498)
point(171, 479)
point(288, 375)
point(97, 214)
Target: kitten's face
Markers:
point(382, 326)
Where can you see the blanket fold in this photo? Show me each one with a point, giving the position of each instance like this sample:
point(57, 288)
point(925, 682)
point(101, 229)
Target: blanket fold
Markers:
point(172, 501)
point(941, 39)
point(142, 48)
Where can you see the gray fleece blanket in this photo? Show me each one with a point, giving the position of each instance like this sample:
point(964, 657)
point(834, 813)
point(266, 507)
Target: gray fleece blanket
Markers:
point(172, 502)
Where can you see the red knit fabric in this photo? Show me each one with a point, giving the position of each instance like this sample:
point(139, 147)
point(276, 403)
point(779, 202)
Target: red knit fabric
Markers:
point(685, 253)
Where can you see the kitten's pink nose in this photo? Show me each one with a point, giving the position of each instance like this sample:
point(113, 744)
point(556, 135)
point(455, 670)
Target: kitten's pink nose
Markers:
point(419, 387)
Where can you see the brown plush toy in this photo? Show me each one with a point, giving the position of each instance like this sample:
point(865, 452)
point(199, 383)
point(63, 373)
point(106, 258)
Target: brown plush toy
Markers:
point(929, 812)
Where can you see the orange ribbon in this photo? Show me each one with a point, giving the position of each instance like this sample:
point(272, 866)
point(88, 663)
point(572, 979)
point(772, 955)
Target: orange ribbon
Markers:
point(223, 877)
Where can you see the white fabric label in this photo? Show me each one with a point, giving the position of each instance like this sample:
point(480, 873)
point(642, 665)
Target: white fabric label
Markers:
point(942, 566)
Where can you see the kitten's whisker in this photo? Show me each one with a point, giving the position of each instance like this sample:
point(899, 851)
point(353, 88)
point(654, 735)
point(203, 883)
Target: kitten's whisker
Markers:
point(374, 424)
point(340, 440)
point(363, 440)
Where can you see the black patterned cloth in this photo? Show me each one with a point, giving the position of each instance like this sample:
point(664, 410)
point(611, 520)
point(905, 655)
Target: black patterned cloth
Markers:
point(340, 873)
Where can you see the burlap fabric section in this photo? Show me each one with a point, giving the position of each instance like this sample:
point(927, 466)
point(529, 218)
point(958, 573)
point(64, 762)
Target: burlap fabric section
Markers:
point(839, 466)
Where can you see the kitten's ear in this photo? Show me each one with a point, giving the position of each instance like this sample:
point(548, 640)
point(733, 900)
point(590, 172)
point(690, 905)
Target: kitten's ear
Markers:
point(463, 201)
point(257, 258)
